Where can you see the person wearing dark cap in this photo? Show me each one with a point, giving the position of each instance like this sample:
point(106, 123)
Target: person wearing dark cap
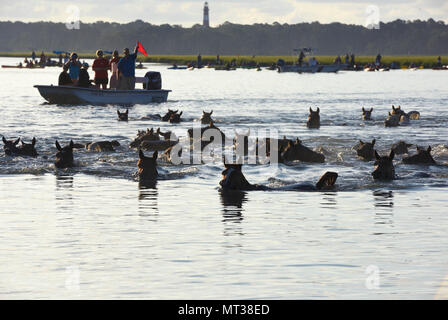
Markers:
point(64, 78)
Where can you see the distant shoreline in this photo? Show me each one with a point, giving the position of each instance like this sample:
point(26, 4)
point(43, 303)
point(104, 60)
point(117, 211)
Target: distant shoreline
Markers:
point(264, 61)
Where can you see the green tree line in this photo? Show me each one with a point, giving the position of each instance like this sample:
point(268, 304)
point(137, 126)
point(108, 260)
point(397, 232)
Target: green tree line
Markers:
point(398, 37)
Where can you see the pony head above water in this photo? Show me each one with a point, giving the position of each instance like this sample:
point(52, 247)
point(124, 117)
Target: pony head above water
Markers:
point(168, 115)
point(384, 167)
point(175, 117)
point(367, 114)
point(313, 119)
point(423, 156)
point(147, 166)
point(123, 116)
point(64, 156)
point(206, 117)
point(365, 150)
point(10, 146)
point(297, 151)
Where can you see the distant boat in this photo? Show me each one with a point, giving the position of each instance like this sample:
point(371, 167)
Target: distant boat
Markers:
point(312, 69)
point(36, 66)
point(93, 96)
point(177, 68)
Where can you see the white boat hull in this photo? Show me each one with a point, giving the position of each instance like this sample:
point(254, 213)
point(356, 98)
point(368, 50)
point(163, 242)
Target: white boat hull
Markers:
point(77, 95)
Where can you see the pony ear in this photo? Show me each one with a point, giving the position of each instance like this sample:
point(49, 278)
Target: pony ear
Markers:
point(118, 112)
point(140, 154)
point(363, 109)
point(17, 141)
point(318, 110)
point(71, 144)
point(389, 113)
point(393, 107)
point(33, 142)
point(391, 155)
point(58, 146)
point(377, 156)
point(429, 149)
point(127, 111)
point(361, 142)
point(4, 140)
point(154, 155)
point(211, 112)
point(180, 113)
point(311, 110)
point(373, 142)
point(371, 109)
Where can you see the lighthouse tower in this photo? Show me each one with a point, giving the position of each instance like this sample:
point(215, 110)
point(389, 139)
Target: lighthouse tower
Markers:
point(206, 22)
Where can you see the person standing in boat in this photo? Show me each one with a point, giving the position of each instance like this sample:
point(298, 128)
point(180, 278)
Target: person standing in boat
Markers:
point(352, 60)
point(126, 70)
point(64, 78)
point(301, 56)
point(378, 60)
point(113, 65)
point(33, 55)
point(439, 61)
point(100, 66)
point(74, 66)
point(43, 59)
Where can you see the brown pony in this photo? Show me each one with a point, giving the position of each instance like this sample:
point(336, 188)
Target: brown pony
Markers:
point(313, 119)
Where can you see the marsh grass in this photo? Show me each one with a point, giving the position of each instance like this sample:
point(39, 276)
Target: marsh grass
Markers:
point(425, 61)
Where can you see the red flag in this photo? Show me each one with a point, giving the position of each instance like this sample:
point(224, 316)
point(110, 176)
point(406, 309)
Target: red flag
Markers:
point(141, 49)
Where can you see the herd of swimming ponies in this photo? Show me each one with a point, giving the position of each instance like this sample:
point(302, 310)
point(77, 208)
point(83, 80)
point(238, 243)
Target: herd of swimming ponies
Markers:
point(285, 149)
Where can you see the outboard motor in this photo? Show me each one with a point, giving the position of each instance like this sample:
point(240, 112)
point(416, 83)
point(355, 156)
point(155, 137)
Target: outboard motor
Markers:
point(154, 80)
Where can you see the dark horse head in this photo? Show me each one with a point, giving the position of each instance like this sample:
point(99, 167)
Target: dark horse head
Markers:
point(206, 117)
point(297, 151)
point(423, 156)
point(167, 116)
point(384, 167)
point(367, 114)
point(234, 179)
point(123, 116)
point(313, 119)
point(175, 117)
point(10, 146)
point(64, 156)
point(365, 150)
point(29, 149)
point(147, 167)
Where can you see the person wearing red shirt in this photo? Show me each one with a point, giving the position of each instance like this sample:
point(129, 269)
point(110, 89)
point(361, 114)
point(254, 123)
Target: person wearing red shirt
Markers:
point(101, 66)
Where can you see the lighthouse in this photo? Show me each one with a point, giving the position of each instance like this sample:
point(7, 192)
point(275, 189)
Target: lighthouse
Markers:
point(206, 22)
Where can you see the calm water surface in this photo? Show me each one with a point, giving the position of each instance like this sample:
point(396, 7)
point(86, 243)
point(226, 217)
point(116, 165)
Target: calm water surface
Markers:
point(91, 232)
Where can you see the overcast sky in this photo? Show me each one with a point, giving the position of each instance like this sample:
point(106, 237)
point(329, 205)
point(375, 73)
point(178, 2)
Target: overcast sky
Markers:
point(189, 12)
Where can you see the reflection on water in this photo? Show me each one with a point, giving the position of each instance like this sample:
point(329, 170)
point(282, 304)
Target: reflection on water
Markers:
point(147, 204)
point(384, 203)
point(329, 200)
point(383, 199)
point(232, 211)
point(64, 193)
